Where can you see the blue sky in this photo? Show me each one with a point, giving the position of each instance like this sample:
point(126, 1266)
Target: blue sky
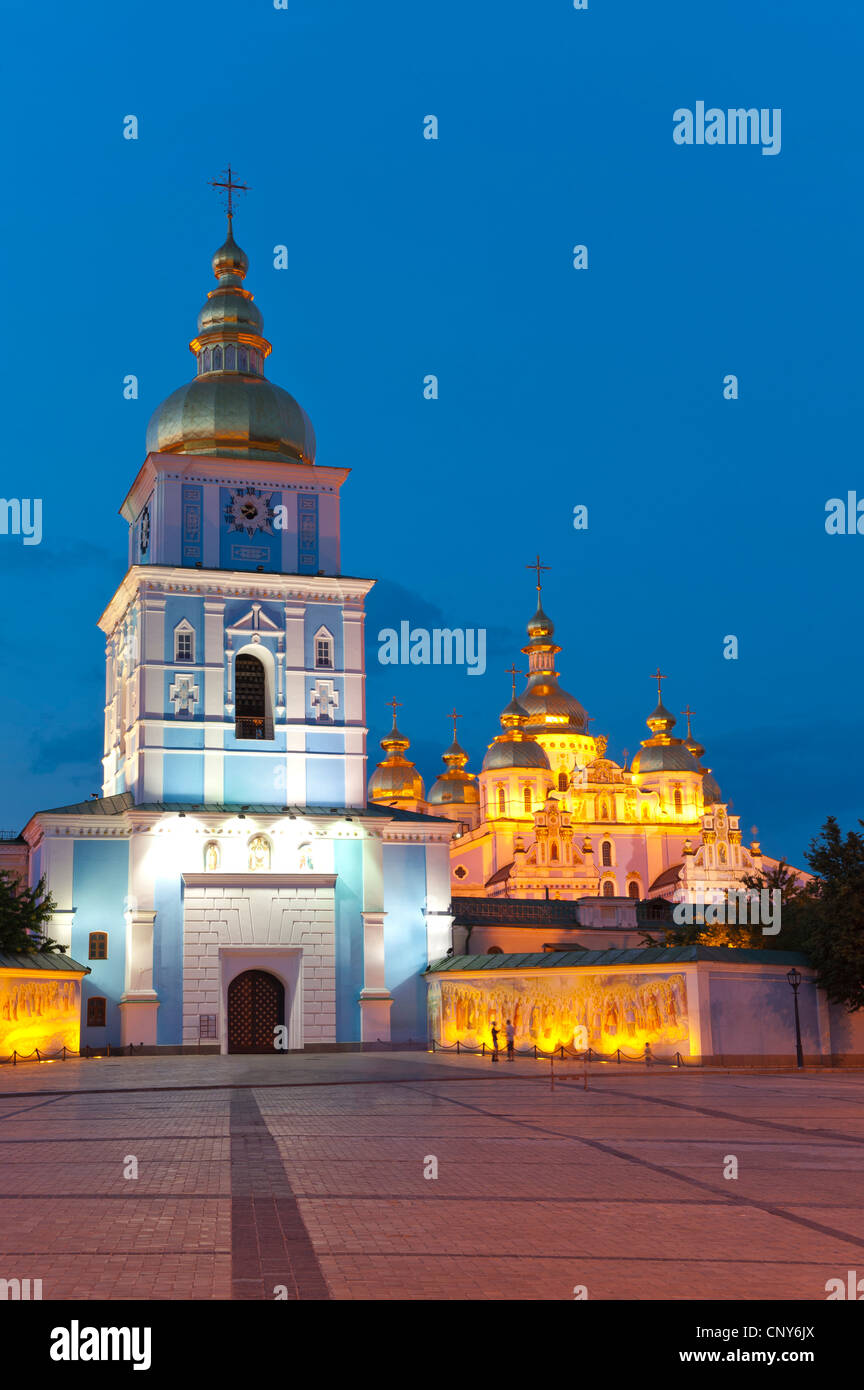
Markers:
point(557, 387)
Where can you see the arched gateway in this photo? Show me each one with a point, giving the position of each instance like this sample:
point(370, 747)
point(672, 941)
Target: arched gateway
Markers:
point(256, 1005)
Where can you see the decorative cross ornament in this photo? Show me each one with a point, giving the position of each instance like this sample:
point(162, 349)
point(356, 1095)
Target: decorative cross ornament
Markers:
point(184, 693)
point(231, 187)
point(658, 677)
point(538, 567)
point(513, 673)
point(454, 716)
point(325, 699)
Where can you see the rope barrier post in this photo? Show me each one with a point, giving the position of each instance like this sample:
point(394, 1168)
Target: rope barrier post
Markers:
point(649, 1056)
point(457, 1047)
point(14, 1055)
point(552, 1071)
point(618, 1054)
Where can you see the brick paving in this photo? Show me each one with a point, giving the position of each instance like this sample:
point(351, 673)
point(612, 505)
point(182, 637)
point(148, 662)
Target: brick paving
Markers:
point(306, 1174)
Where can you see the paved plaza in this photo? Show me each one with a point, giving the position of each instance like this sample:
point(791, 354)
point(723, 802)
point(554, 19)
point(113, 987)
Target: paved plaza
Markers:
point(306, 1174)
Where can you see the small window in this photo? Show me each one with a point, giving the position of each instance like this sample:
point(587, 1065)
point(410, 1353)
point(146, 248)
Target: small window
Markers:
point(502, 801)
point(608, 889)
point(217, 359)
point(96, 1009)
point(526, 799)
point(98, 948)
point(563, 781)
point(324, 652)
point(678, 802)
point(460, 871)
point(494, 951)
point(632, 889)
point(606, 854)
point(184, 644)
point(230, 357)
point(553, 853)
point(208, 358)
point(243, 360)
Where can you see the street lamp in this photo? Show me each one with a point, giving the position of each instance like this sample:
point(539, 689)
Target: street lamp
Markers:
point(794, 977)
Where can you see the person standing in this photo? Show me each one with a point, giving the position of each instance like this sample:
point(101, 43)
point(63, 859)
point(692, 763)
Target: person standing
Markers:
point(510, 1034)
point(494, 1042)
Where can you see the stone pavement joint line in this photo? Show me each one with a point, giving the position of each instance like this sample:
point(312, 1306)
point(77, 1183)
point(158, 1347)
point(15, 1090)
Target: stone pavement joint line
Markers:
point(270, 1245)
point(733, 1197)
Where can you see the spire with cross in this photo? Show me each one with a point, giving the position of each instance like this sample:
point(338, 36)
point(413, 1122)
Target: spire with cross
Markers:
point(230, 185)
point(513, 673)
point(659, 677)
point(394, 705)
point(689, 713)
point(454, 716)
point(538, 567)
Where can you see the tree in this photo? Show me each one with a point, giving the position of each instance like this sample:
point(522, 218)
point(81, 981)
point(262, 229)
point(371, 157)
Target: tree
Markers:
point(24, 914)
point(832, 906)
point(823, 918)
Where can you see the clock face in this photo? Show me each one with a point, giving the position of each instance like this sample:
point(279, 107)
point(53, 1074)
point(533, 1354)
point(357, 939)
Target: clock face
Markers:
point(249, 510)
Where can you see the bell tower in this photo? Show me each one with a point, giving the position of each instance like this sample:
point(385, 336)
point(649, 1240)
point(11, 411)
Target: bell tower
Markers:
point(234, 646)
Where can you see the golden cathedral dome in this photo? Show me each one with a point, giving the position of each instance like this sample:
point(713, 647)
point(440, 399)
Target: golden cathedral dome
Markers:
point(229, 409)
point(396, 778)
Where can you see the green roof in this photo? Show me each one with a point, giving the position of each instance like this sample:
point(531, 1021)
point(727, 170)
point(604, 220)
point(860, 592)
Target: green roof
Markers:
point(40, 960)
point(643, 955)
point(116, 805)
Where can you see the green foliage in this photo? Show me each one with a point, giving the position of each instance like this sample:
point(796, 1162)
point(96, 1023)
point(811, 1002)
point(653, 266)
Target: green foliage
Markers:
point(823, 918)
point(24, 913)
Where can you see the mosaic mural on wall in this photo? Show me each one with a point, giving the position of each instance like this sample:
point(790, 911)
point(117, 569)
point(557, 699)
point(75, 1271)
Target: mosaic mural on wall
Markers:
point(623, 1011)
point(39, 1013)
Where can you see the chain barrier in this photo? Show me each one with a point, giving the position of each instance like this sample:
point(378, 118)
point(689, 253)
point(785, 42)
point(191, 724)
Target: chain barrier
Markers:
point(89, 1053)
point(648, 1055)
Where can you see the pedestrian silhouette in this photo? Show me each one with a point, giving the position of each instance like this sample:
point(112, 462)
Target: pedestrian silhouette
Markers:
point(510, 1034)
point(494, 1043)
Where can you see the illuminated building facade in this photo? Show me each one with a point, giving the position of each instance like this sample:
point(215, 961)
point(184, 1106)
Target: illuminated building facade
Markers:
point(230, 881)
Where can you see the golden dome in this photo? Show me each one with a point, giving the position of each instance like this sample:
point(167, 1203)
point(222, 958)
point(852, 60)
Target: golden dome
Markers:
point(230, 409)
point(396, 778)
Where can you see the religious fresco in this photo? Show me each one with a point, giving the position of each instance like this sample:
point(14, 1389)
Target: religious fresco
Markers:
point(623, 1011)
point(38, 1012)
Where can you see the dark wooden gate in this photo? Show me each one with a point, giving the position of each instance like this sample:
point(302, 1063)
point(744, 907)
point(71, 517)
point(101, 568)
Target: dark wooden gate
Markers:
point(256, 1004)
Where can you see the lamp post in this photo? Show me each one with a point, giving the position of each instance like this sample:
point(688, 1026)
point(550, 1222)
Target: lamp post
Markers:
point(794, 978)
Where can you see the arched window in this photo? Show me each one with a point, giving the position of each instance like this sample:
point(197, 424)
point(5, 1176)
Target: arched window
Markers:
point(502, 801)
point(606, 854)
point(553, 853)
point(645, 812)
point(633, 888)
point(563, 781)
point(212, 856)
point(230, 357)
point(721, 853)
point(208, 358)
point(242, 360)
point(608, 889)
point(251, 717)
point(494, 951)
point(259, 854)
point(526, 799)
point(678, 803)
point(604, 811)
point(217, 359)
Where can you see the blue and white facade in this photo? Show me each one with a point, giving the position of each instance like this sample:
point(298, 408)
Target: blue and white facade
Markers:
point(233, 834)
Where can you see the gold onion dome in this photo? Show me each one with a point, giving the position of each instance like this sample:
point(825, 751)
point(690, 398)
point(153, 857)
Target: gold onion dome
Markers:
point(514, 748)
point(396, 778)
point(455, 785)
point(230, 409)
point(544, 701)
point(662, 753)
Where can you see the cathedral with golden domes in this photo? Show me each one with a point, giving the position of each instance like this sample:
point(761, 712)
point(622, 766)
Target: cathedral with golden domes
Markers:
point(550, 816)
